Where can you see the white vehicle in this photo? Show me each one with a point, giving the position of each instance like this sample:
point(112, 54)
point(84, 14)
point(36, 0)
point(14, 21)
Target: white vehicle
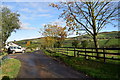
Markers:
point(15, 49)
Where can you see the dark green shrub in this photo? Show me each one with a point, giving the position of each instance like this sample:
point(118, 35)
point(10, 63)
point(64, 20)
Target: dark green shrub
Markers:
point(75, 43)
point(57, 44)
point(84, 43)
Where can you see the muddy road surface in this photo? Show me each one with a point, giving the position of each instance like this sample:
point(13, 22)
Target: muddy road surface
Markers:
point(38, 65)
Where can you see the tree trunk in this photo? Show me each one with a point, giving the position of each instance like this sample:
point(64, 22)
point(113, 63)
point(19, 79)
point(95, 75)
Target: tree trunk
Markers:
point(95, 33)
point(96, 45)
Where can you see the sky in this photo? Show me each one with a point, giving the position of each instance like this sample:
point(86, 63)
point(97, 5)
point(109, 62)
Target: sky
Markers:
point(33, 15)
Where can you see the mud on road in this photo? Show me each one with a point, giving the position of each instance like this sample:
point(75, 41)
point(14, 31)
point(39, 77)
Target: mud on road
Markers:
point(38, 65)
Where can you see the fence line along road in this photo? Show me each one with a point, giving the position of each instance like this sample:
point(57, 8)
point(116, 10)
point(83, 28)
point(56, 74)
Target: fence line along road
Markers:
point(105, 53)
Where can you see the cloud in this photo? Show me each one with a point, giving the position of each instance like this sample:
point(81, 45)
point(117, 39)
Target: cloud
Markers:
point(40, 6)
point(43, 24)
point(28, 28)
point(26, 17)
point(34, 16)
point(39, 10)
point(26, 10)
point(32, 4)
point(58, 21)
point(42, 10)
point(23, 17)
point(25, 26)
point(44, 15)
point(34, 10)
point(72, 34)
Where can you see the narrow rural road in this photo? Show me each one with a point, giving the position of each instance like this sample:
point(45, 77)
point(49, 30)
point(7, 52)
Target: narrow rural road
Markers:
point(38, 65)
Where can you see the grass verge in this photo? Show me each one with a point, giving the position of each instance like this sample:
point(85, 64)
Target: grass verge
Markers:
point(10, 68)
point(92, 68)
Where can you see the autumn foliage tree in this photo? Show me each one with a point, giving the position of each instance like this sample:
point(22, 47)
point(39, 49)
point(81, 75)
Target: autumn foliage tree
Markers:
point(53, 34)
point(28, 43)
point(89, 17)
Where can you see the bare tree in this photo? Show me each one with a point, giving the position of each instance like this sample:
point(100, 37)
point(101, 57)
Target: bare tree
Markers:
point(90, 17)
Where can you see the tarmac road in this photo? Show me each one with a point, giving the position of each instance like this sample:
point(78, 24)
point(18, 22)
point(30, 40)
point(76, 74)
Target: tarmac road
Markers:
point(38, 65)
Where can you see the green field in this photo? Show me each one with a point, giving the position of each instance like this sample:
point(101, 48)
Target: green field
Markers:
point(102, 43)
point(10, 68)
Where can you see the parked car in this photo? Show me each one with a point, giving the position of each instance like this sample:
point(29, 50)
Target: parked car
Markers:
point(15, 49)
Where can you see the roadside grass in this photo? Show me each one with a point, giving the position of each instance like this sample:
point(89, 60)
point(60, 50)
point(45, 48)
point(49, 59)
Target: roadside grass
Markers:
point(3, 54)
point(10, 68)
point(92, 68)
point(29, 51)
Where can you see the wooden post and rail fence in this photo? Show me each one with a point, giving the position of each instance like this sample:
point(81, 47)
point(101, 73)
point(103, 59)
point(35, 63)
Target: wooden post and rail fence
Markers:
point(87, 53)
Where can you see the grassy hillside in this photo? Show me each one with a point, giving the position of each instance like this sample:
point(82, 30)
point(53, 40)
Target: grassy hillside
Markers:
point(112, 34)
point(105, 39)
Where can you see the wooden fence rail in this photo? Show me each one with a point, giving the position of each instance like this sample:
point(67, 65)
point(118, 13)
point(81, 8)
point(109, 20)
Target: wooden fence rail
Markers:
point(105, 53)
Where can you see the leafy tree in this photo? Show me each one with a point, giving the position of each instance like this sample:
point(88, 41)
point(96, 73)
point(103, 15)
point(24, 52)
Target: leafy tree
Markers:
point(49, 42)
point(0, 30)
point(75, 43)
point(54, 33)
point(89, 17)
point(10, 22)
point(0, 37)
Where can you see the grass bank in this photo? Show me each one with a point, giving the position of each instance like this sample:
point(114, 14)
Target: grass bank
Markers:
point(92, 68)
point(10, 68)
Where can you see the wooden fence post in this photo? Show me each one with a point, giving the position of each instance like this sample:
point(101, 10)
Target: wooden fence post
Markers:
point(67, 51)
point(77, 53)
point(62, 50)
point(85, 53)
point(104, 54)
point(74, 52)
point(92, 51)
point(58, 50)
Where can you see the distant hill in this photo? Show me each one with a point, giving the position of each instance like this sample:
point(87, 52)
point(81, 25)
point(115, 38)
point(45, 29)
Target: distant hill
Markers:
point(103, 36)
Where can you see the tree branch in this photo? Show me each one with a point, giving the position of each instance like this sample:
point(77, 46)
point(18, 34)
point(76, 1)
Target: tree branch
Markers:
point(83, 14)
point(79, 21)
point(107, 17)
point(101, 9)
